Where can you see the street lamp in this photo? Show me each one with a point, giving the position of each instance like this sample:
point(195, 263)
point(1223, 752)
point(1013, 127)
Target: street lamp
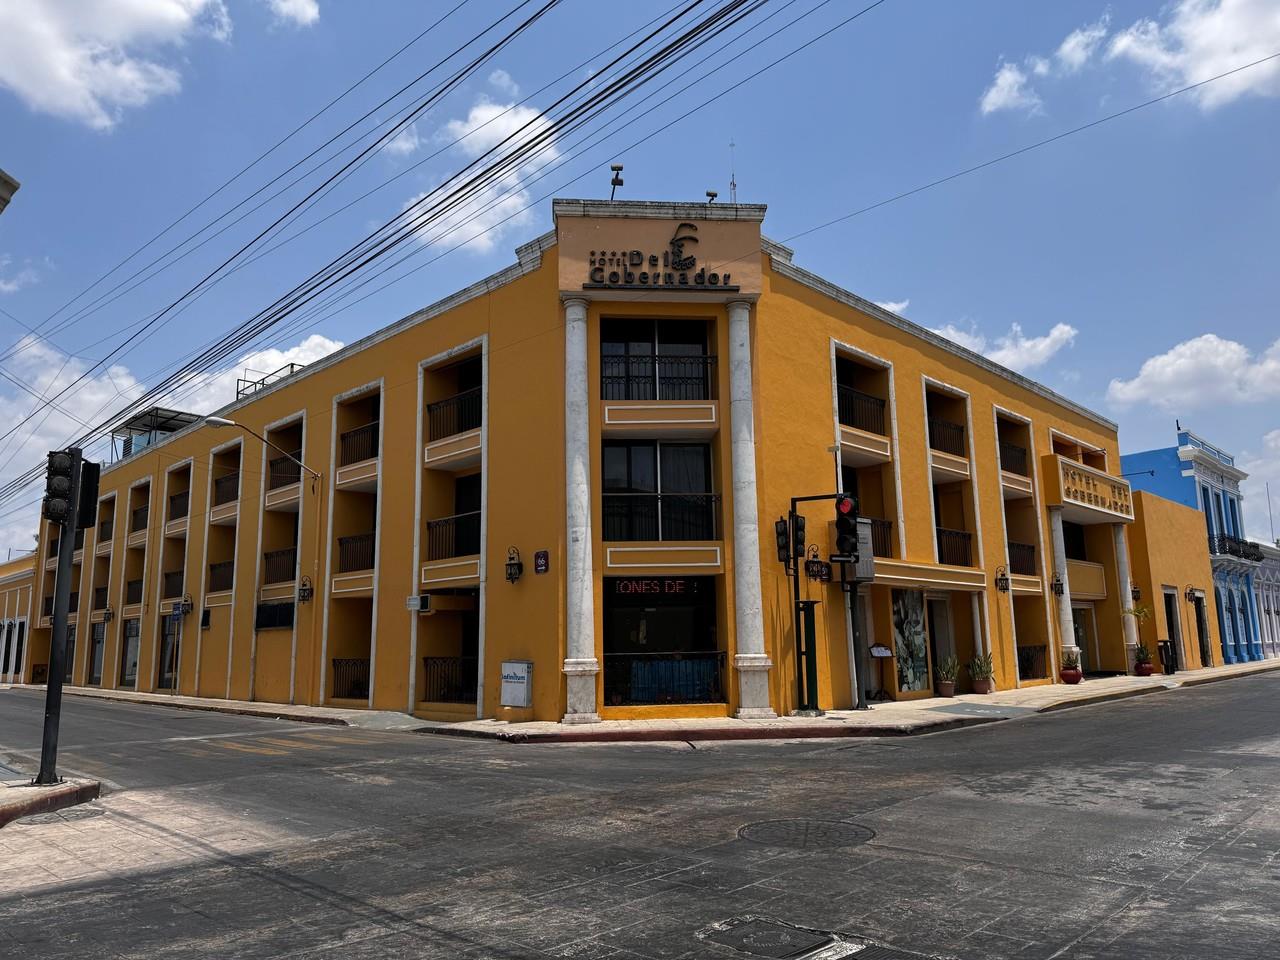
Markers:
point(1190, 594)
point(218, 422)
point(1002, 579)
point(1057, 586)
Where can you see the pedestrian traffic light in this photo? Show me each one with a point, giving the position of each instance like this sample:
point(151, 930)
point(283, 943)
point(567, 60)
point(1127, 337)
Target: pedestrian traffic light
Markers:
point(57, 487)
point(797, 534)
point(782, 533)
point(847, 527)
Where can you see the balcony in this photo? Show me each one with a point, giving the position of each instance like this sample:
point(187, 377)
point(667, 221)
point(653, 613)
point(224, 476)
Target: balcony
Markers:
point(1222, 546)
point(1022, 558)
point(456, 536)
point(660, 516)
point(1013, 459)
point(99, 598)
point(132, 592)
point(280, 566)
point(77, 542)
point(955, 547)
point(882, 538)
point(221, 576)
point(657, 678)
point(74, 605)
point(106, 530)
point(947, 437)
point(358, 445)
point(179, 504)
point(355, 553)
point(351, 678)
point(139, 518)
point(227, 489)
point(171, 585)
point(860, 410)
point(664, 394)
point(284, 489)
point(453, 431)
point(450, 679)
point(48, 607)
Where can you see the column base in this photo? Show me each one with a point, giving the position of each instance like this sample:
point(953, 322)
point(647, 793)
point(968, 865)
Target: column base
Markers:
point(1131, 658)
point(753, 687)
point(580, 683)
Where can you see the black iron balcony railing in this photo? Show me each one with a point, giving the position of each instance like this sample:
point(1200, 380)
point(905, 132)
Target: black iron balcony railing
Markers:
point(106, 530)
point(1223, 546)
point(355, 553)
point(179, 503)
point(860, 410)
point(946, 436)
point(450, 679)
point(48, 606)
point(279, 566)
point(133, 591)
point(221, 575)
point(1014, 458)
point(139, 518)
point(358, 444)
point(1033, 663)
point(99, 598)
point(456, 536)
point(1022, 558)
point(955, 547)
point(672, 677)
point(53, 546)
point(661, 516)
point(283, 471)
point(881, 537)
point(457, 414)
point(171, 586)
point(77, 541)
point(657, 377)
point(351, 678)
point(226, 489)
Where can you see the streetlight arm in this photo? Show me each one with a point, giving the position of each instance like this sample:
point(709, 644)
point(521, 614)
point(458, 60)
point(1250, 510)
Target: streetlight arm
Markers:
point(224, 422)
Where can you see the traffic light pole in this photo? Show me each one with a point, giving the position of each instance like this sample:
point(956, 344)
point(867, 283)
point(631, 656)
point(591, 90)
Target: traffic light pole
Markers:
point(58, 641)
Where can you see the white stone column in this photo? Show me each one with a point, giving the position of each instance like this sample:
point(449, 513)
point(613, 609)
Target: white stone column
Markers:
point(1066, 623)
point(1128, 620)
point(979, 644)
point(751, 661)
point(580, 665)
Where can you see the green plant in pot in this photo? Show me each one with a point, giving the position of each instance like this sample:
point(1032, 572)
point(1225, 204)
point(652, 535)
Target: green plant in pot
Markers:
point(1071, 672)
point(1142, 663)
point(946, 673)
point(983, 672)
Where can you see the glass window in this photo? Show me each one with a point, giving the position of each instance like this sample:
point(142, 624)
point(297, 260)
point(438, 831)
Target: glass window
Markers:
point(129, 653)
point(630, 467)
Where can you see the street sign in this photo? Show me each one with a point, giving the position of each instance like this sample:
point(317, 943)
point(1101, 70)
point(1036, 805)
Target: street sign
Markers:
point(541, 561)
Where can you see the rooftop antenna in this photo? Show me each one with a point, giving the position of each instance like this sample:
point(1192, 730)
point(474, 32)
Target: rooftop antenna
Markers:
point(616, 182)
point(733, 179)
point(1270, 515)
point(711, 196)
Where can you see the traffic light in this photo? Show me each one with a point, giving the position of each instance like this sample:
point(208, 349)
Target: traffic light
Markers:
point(797, 535)
point(57, 487)
point(847, 527)
point(782, 534)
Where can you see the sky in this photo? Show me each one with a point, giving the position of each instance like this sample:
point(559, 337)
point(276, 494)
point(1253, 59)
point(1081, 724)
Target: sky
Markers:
point(1131, 267)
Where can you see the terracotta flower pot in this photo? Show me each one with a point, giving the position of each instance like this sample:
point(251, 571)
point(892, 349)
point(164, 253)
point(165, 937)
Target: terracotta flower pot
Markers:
point(983, 685)
point(1144, 669)
point(1071, 676)
point(945, 688)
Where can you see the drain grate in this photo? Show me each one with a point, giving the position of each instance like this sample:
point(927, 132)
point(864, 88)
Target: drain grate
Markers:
point(806, 834)
point(761, 937)
point(69, 815)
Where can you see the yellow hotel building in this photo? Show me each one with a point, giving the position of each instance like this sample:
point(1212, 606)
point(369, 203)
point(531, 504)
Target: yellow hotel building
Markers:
point(566, 477)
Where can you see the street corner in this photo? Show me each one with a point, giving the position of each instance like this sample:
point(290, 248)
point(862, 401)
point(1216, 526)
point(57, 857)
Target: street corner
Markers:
point(21, 797)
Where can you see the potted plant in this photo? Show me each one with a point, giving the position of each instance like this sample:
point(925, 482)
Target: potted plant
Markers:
point(1071, 672)
point(982, 671)
point(1142, 664)
point(947, 672)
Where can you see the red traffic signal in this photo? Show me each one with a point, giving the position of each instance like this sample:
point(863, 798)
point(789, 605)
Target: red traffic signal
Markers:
point(846, 526)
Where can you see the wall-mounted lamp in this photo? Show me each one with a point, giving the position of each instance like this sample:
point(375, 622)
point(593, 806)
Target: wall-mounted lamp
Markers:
point(1136, 592)
point(515, 569)
point(108, 614)
point(1190, 594)
point(1057, 586)
point(1002, 579)
point(815, 568)
point(305, 590)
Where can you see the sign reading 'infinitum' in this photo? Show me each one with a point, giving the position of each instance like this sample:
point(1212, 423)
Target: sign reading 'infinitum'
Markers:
point(675, 268)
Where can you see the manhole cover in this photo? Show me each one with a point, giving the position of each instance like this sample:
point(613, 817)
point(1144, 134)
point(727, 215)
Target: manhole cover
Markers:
point(806, 834)
point(60, 816)
point(760, 937)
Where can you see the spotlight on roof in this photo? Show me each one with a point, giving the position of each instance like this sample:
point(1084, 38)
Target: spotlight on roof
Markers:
point(616, 182)
point(711, 196)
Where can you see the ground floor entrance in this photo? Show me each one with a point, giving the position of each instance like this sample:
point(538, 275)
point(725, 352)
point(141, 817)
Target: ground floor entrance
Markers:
point(13, 635)
point(1084, 625)
point(661, 643)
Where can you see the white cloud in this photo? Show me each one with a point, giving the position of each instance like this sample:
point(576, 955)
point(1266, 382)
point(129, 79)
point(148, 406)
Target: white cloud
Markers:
point(300, 12)
point(501, 81)
point(1010, 91)
point(405, 142)
point(14, 278)
point(214, 390)
point(893, 306)
point(1080, 45)
point(1263, 468)
point(1014, 349)
point(484, 217)
point(1203, 372)
point(1203, 38)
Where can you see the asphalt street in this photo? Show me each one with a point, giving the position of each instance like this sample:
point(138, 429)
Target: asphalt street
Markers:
point(1146, 828)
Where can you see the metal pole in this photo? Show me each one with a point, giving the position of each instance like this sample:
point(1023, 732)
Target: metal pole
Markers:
point(58, 640)
point(795, 609)
point(860, 650)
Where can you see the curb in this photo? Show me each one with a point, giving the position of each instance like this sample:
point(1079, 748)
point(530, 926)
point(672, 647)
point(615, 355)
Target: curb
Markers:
point(205, 707)
point(1263, 667)
point(46, 799)
point(1106, 698)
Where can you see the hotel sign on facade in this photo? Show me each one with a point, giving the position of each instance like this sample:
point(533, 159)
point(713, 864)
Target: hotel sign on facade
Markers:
point(1096, 496)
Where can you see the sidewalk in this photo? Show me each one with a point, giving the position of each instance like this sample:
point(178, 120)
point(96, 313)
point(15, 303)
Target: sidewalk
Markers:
point(19, 798)
point(890, 719)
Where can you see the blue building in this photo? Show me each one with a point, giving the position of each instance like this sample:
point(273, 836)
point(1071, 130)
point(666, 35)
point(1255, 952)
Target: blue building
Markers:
point(1200, 475)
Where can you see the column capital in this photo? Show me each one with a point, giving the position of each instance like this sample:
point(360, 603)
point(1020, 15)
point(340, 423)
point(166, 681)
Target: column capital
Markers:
point(576, 303)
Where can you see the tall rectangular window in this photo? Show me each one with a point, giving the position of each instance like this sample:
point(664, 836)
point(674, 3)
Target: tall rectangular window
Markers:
point(129, 653)
point(658, 491)
point(654, 360)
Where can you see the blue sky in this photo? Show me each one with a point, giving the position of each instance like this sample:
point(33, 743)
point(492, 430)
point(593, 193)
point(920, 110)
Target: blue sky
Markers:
point(1131, 267)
